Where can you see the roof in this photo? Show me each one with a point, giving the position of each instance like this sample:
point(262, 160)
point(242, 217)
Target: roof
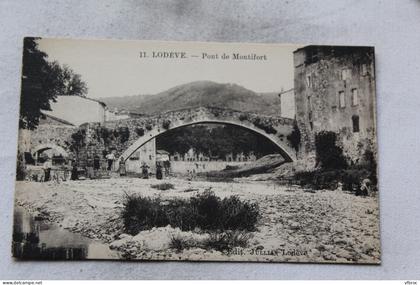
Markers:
point(59, 120)
point(87, 98)
point(161, 151)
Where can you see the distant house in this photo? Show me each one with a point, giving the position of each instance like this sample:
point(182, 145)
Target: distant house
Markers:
point(162, 155)
point(115, 115)
point(77, 110)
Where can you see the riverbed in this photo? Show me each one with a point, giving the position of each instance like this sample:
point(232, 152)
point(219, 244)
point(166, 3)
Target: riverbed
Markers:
point(296, 225)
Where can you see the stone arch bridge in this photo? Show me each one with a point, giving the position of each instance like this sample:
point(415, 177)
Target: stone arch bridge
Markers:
point(126, 136)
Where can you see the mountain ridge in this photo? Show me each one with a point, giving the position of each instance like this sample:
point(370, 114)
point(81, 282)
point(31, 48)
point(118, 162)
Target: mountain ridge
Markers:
point(198, 93)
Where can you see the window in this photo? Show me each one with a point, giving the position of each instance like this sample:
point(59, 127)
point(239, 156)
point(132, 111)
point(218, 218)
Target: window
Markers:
point(364, 70)
point(308, 81)
point(355, 121)
point(309, 103)
point(341, 99)
point(345, 74)
point(354, 97)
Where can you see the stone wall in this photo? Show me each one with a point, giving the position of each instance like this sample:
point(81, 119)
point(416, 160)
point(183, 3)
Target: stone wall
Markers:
point(51, 132)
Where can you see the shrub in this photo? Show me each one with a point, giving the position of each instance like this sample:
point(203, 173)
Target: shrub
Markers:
point(20, 167)
point(221, 241)
point(124, 134)
point(163, 186)
point(328, 154)
point(267, 127)
point(239, 215)
point(166, 124)
point(243, 117)
point(104, 133)
point(228, 240)
point(77, 141)
point(140, 132)
point(371, 164)
point(205, 211)
point(180, 243)
point(142, 213)
point(329, 179)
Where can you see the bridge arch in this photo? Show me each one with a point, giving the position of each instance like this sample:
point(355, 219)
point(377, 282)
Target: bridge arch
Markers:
point(284, 148)
point(43, 147)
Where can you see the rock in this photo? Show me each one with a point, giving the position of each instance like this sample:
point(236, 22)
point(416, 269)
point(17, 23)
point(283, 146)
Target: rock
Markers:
point(125, 236)
point(294, 226)
point(328, 256)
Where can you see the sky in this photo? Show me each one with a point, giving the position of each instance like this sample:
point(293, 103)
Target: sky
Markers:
point(113, 68)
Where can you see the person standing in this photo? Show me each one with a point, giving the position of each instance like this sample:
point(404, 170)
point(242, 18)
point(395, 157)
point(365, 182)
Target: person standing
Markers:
point(110, 158)
point(145, 171)
point(159, 171)
point(89, 167)
point(96, 165)
point(167, 166)
point(122, 169)
point(74, 172)
point(47, 170)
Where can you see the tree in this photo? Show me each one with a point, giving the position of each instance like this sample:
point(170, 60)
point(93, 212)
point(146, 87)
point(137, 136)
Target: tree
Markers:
point(328, 154)
point(42, 82)
point(72, 82)
point(38, 86)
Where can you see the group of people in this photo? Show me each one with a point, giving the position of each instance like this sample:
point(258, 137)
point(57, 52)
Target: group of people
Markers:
point(145, 169)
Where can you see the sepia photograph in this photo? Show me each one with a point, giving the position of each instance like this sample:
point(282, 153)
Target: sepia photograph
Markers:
point(193, 151)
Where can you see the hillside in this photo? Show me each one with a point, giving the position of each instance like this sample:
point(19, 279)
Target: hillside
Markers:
point(199, 93)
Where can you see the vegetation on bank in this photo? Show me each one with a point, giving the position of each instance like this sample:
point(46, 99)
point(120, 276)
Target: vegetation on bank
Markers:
point(215, 141)
point(205, 211)
point(221, 241)
point(333, 168)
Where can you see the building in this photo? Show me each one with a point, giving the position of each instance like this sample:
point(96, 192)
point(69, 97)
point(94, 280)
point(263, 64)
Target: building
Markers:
point(287, 106)
point(162, 155)
point(77, 110)
point(335, 91)
point(115, 115)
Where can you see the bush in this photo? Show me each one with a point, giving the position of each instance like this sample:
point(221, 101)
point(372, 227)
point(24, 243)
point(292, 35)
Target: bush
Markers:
point(328, 154)
point(227, 241)
point(124, 134)
point(371, 164)
point(321, 179)
point(180, 243)
point(221, 241)
point(149, 127)
point(166, 124)
point(105, 134)
point(142, 213)
point(163, 186)
point(20, 168)
point(205, 211)
point(140, 132)
point(267, 127)
point(243, 117)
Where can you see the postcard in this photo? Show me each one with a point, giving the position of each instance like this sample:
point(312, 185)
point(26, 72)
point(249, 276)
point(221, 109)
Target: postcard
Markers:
point(189, 151)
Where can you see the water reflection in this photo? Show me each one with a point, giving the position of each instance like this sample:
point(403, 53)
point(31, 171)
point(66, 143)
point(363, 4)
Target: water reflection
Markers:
point(36, 239)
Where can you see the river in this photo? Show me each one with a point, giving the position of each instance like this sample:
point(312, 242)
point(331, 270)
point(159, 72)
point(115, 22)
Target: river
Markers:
point(34, 238)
